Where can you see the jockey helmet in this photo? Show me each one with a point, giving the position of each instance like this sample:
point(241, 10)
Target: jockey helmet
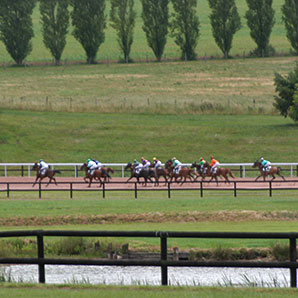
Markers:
point(89, 159)
point(154, 158)
point(40, 160)
point(174, 158)
point(135, 161)
point(212, 157)
point(202, 158)
point(262, 158)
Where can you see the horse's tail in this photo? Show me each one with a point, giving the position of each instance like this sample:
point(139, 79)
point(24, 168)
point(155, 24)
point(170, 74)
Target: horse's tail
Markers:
point(57, 171)
point(231, 174)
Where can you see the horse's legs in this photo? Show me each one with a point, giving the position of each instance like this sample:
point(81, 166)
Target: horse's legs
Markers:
point(37, 177)
point(90, 181)
point(258, 178)
point(273, 177)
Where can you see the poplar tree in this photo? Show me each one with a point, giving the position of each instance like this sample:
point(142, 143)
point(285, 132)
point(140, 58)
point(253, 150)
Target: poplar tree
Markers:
point(89, 22)
point(225, 22)
point(260, 20)
point(55, 22)
point(155, 14)
point(185, 27)
point(122, 16)
point(16, 28)
point(290, 18)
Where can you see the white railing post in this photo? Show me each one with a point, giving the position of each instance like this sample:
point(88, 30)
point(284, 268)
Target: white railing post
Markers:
point(5, 171)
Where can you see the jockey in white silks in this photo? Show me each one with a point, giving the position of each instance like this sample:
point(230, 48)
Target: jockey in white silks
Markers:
point(266, 164)
point(176, 165)
point(92, 166)
point(146, 163)
point(43, 167)
point(137, 166)
point(157, 163)
point(98, 164)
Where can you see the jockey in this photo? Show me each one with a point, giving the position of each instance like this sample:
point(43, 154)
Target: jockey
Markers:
point(176, 165)
point(146, 163)
point(202, 164)
point(98, 164)
point(214, 165)
point(43, 167)
point(137, 166)
point(157, 163)
point(92, 166)
point(265, 164)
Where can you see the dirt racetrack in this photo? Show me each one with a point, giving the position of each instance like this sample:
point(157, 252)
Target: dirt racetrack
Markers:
point(65, 183)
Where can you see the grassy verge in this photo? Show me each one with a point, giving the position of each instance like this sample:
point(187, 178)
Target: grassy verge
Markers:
point(74, 137)
point(10, 290)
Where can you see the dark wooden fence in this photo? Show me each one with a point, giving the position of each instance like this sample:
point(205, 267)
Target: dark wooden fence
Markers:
point(234, 187)
point(163, 262)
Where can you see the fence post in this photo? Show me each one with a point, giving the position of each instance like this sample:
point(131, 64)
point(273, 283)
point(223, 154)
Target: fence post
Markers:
point(39, 189)
point(41, 267)
point(136, 191)
point(235, 189)
point(270, 188)
point(293, 258)
point(76, 172)
point(22, 171)
point(241, 172)
point(169, 190)
point(70, 190)
point(103, 190)
point(7, 190)
point(163, 256)
point(201, 188)
point(297, 170)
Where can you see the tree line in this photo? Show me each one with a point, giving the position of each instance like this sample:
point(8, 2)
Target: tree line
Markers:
point(89, 21)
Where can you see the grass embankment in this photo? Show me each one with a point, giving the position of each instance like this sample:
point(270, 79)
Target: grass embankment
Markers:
point(82, 291)
point(140, 51)
point(214, 87)
point(74, 137)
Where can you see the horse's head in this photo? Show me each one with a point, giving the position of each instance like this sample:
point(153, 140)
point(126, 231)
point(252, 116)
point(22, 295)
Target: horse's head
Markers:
point(84, 166)
point(111, 170)
point(128, 166)
point(168, 164)
point(256, 164)
point(194, 165)
point(36, 166)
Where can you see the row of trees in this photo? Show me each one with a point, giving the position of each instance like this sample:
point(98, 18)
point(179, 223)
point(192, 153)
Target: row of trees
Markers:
point(89, 22)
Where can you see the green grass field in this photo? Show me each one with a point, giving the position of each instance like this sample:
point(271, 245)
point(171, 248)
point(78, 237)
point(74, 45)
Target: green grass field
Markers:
point(11, 291)
point(140, 51)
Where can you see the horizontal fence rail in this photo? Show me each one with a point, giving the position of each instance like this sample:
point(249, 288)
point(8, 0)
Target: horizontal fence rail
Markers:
point(234, 187)
point(25, 169)
point(163, 262)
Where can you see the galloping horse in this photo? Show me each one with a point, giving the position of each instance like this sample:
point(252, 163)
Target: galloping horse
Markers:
point(183, 173)
point(49, 173)
point(146, 174)
point(97, 174)
point(220, 172)
point(161, 172)
point(271, 172)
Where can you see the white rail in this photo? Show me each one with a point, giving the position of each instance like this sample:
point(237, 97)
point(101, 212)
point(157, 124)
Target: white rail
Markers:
point(293, 167)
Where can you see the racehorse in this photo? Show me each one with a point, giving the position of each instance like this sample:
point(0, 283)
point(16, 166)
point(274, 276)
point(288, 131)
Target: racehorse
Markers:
point(183, 173)
point(146, 174)
point(97, 174)
point(49, 173)
point(161, 172)
point(273, 171)
point(220, 172)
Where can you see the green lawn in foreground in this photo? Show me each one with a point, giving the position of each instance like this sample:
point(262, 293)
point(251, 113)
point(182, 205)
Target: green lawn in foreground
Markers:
point(12, 291)
point(126, 204)
point(73, 137)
